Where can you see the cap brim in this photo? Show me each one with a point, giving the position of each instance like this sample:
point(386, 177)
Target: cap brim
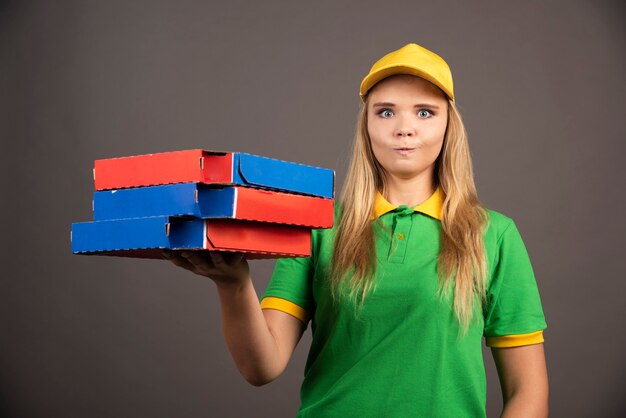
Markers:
point(384, 72)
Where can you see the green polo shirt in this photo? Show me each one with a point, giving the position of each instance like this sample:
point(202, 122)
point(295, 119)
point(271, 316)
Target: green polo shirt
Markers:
point(402, 355)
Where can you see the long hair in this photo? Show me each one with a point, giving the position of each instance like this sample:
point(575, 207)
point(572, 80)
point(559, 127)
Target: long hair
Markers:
point(461, 266)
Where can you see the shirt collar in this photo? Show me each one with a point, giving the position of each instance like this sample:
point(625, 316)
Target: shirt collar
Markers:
point(431, 206)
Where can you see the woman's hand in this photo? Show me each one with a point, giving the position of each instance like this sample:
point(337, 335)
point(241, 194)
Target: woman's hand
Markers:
point(260, 341)
point(225, 269)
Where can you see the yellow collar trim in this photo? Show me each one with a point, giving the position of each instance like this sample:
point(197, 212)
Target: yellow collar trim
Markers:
point(431, 206)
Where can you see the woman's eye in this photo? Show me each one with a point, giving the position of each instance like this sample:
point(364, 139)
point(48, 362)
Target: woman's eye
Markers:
point(424, 113)
point(386, 113)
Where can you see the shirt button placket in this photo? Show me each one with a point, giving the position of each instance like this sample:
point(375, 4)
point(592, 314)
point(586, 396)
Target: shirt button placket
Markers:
point(404, 221)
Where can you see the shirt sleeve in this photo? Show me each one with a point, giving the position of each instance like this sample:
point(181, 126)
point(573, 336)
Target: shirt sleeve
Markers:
point(289, 289)
point(513, 315)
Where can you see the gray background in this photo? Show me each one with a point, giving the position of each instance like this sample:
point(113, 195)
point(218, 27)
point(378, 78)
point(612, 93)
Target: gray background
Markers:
point(540, 85)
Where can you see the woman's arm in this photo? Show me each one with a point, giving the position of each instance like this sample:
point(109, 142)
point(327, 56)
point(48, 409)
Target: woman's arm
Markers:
point(260, 341)
point(524, 380)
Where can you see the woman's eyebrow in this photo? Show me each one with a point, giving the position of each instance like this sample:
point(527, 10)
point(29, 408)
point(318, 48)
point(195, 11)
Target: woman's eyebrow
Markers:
point(389, 104)
point(432, 106)
point(386, 104)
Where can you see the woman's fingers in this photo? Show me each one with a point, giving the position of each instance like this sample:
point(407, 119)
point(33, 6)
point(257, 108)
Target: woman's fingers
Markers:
point(217, 259)
point(222, 267)
point(233, 258)
point(178, 260)
point(197, 259)
point(226, 259)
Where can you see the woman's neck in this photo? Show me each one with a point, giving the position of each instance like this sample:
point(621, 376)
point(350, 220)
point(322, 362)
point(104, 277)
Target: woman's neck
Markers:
point(410, 192)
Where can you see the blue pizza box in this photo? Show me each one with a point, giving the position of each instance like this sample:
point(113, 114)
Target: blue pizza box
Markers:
point(201, 201)
point(147, 237)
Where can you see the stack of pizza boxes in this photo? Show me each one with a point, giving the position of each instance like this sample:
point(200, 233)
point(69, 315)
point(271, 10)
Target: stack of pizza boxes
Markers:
point(205, 200)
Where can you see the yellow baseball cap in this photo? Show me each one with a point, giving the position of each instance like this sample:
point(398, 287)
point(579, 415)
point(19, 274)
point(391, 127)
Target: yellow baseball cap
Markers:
point(410, 59)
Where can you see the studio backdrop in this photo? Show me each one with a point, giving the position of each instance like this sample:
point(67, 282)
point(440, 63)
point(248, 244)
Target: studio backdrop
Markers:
point(541, 89)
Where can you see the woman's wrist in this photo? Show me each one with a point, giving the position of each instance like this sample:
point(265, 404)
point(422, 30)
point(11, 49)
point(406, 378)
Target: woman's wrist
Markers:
point(232, 286)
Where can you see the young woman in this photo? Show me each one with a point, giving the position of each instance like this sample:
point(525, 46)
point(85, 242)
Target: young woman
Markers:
point(414, 274)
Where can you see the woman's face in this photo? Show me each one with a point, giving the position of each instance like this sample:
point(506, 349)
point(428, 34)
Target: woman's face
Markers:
point(406, 120)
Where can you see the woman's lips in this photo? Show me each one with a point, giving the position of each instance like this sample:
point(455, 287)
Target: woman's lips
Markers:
point(404, 150)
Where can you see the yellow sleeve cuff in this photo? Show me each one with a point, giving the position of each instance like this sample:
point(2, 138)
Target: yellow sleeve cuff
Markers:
point(515, 340)
point(286, 306)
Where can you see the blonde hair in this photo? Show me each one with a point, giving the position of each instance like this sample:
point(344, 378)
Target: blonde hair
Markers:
point(462, 257)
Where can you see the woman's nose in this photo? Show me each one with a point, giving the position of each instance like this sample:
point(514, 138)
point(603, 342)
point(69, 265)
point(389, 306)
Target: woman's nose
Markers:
point(402, 131)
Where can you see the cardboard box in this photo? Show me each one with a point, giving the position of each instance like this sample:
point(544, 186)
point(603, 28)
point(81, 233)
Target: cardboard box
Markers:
point(213, 167)
point(201, 201)
point(146, 237)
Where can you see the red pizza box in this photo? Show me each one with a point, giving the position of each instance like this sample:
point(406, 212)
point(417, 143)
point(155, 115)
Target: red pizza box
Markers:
point(213, 167)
